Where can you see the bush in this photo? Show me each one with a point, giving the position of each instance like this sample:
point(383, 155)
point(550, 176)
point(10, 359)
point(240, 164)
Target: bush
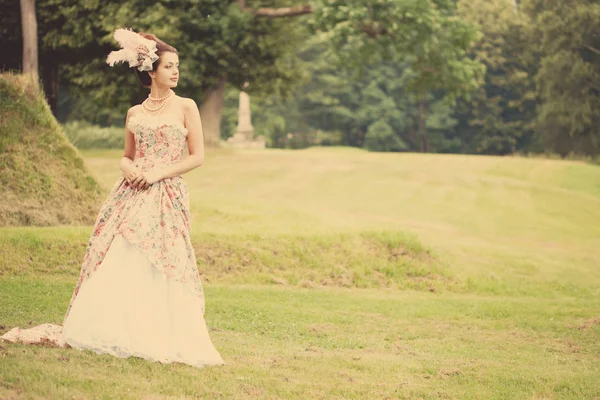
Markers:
point(84, 135)
point(381, 137)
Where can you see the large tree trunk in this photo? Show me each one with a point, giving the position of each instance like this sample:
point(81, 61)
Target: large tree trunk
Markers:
point(211, 112)
point(30, 40)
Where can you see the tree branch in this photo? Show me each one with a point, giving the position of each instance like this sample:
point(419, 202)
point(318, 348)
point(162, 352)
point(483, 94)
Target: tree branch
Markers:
point(373, 30)
point(595, 50)
point(277, 12)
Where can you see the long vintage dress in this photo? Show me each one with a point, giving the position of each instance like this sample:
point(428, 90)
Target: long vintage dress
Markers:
point(139, 292)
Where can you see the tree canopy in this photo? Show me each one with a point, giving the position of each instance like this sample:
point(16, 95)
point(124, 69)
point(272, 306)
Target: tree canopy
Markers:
point(487, 77)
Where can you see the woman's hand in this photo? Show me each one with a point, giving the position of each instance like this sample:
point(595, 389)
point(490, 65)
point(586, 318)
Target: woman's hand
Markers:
point(145, 179)
point(131, 173)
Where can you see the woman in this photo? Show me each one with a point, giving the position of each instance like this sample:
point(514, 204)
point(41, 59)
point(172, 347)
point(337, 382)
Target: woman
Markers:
point(139, 291)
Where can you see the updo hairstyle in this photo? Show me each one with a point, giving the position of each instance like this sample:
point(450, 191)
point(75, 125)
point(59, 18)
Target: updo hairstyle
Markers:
point(161, 47)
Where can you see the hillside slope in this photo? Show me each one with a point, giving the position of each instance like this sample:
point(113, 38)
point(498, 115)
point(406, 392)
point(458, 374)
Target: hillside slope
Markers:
point(43, 179)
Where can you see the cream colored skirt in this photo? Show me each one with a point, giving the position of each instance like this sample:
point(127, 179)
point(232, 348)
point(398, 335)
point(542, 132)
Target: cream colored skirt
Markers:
point(128, 307)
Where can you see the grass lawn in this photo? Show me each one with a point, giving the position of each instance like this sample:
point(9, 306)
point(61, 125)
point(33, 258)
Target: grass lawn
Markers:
point(338, 273)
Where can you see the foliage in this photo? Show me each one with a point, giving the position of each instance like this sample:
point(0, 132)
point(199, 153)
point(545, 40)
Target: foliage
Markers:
point(334, 106)
point(498, 118)
point(380, 137)
point(483, 77)
point(214, 38)
point(568, 80)
point(427, 34)
point(84, 135)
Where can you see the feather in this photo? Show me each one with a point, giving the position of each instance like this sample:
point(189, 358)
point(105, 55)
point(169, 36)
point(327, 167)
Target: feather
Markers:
point(116, 56)
point(127, 38)
point(130, 41)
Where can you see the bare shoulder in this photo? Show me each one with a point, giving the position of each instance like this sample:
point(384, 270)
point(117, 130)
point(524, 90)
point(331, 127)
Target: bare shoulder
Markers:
point(133, 110)
point(187, 103)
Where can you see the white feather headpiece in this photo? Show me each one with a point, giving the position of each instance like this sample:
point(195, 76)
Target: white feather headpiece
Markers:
point(136, 49)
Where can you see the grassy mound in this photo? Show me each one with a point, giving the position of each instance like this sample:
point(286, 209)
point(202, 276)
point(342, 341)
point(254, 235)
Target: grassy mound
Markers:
point(364, 260)
point(43, 179)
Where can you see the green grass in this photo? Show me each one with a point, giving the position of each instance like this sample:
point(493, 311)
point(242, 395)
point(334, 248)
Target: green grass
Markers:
point(324, 343)
point(337, 273)
point(506, 225)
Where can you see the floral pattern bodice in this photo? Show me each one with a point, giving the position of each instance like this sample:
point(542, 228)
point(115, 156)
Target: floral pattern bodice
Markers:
point(158, 139)
point(156, 219)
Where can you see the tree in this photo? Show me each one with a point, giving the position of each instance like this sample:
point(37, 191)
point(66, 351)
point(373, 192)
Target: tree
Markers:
point(427, 35)
point(233, 42)
point(339, 106)
point(568, 81)
point(218, 44)
point(498, 118)
point(30, 47)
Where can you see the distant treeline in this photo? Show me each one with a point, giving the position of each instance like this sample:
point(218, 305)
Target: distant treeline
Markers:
point(540, 93)
point(455, 76)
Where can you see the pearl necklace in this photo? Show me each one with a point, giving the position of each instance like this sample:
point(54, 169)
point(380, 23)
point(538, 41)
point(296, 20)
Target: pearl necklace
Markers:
point(160, 98)
point(166, 101)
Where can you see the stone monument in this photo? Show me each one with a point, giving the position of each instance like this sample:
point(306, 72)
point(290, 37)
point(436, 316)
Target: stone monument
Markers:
point(244, 133)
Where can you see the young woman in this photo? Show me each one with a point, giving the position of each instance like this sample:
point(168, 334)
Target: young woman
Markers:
point(139, 292)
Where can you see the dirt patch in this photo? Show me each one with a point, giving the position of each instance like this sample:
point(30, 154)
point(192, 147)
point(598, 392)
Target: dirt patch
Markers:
point(449, 372)
point(589, 323)
point(566, 346)
point(44, 342)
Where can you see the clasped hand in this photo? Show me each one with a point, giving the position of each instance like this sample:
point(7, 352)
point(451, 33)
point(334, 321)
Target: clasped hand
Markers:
point(142, 180)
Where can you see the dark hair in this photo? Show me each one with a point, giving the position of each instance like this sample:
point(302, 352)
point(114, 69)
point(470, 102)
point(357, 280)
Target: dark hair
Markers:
point(161, 47)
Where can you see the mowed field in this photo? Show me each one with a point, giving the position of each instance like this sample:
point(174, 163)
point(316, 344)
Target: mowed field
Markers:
point(342, 274)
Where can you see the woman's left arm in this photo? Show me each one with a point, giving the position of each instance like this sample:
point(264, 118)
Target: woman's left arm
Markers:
point(195, 142)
